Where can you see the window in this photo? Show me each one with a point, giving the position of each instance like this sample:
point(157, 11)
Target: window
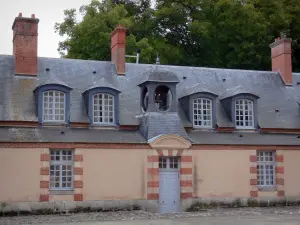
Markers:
point(54, 106)
point(265, 169)
point(244, 113)
point(61, 169)
point(202, 112)
point(103, 108)
point(169, 163)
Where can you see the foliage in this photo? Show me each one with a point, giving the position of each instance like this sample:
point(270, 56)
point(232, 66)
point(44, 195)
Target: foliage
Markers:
point(211, 33)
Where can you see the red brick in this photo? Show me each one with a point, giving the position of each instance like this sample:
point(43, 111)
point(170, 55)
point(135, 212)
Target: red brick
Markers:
point(152, 184)
point(253, 194)
point(280, 193)
point(78, 184)
point(253, 169)
point(78, 197)
point(253, 181)
point(152, 196)
point(78, 171)
point(186, 195)
point(44, 171)
point(186, 183)
point(44, 198)
point(153, 171)
point(253, 158)
point(280, 181)
point(160, 152)
point(186, 158)
point(280, 169)
point(279, 158)
point(153, 158)
point(78, 158)
point(187, 171)
point(44, 184)
point(45, 157)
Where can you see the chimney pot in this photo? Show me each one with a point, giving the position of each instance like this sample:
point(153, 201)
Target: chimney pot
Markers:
point(281, 53)
point(20, 14)
point(32, 16)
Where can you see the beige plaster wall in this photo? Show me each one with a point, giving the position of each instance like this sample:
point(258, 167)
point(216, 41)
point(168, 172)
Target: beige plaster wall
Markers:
point(19, 174)
point(114, 174)
point(292, 173)
point(222, 173)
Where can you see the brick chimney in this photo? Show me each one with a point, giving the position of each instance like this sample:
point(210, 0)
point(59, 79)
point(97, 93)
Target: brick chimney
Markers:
point(118, 46)
point(25, 39)
point(281, 51)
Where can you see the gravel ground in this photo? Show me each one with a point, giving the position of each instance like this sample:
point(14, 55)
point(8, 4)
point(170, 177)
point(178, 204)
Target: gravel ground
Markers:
point(142, 215)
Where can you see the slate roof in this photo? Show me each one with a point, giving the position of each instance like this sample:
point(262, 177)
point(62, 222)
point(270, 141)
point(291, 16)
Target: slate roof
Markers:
point(17, 100)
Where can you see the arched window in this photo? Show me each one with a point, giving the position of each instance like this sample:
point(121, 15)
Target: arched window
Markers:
point(103, 108)
point(54, 106)
point(202, 112)
point(244, 117)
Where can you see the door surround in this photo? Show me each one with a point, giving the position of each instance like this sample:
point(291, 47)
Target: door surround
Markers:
point(169, 145)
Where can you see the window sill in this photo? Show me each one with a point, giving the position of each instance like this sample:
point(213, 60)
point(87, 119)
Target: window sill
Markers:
point(267, 189)
point(61, 192)
point(54, 123)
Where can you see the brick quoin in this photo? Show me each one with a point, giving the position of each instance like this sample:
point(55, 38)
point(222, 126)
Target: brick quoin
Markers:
point(186, 158)
point(45, 157)
point(78, 158)
point(44, 171)
point(44, 184)
point(280, 169)
point(186, 195)
point(253, 169)
point(186, 171)
point(78, 171)
point(280, 181)
point(152, 184)
point(186, 183)
point(253, 181)
point(153, 171)
point(78, 197)
point(253, 158)
point(253, 194)
point(279, 158)
point(78, 184)
point(152, 196)
point(153, 158)
point(280, 194)
point(44, 198)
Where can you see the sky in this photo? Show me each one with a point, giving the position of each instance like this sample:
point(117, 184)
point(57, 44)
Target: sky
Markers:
point(48, 11)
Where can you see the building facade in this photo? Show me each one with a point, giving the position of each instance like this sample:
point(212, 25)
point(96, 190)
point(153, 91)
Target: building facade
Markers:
point(84, 133)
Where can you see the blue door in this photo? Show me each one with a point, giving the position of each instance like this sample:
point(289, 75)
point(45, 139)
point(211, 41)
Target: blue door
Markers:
point(169, 185)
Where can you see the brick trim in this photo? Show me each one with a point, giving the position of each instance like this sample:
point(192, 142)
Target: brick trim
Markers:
point(279, 158)
point(280, 193)
point(186, 195)
point(152, 158)
point(253, 191)
point(152, 196)
point(279, 173)
point(44, 171)
point(45, 157)
point(44, 198)
point(78, 158)
point(186, 183)
point(152, 184)
point(186, 171)
point(78, 171)
point(253, 170)
point(253, 194)
point(280, 181)
point(44, 184)
point(280, 169)
point(186, 158)
point(253, 158)
point(253, 181)
point(78, 197)
point(78, 184)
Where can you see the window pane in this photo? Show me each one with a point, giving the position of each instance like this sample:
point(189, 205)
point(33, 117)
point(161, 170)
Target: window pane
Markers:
point(265, 168)
point(54, 106)
point(103, 110)
point(202, 112)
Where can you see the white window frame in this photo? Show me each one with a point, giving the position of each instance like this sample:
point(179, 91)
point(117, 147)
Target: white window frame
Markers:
point(169, 163)
point(266, 166)
point(53, 108)
point(103, 107)
point(65, 160)
point(201, 109)
point(250, 117)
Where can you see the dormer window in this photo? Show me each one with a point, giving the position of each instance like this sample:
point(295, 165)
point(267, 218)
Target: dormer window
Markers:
point(103, 106)
point(54, 106)
point(202, 113)
point(244, 114)
point(53, 101)
point(102, 101)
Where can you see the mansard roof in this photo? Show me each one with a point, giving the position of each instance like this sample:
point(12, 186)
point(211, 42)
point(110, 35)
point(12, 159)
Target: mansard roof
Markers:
point(277, 106)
